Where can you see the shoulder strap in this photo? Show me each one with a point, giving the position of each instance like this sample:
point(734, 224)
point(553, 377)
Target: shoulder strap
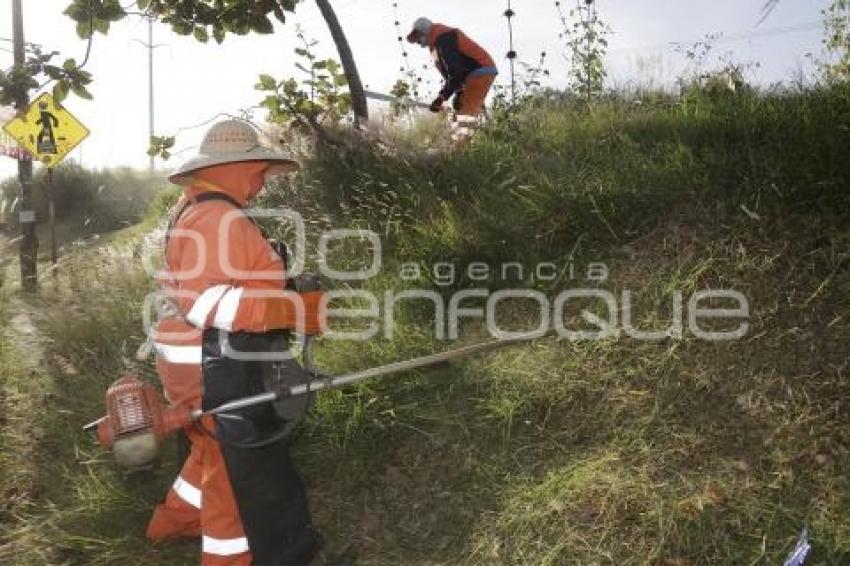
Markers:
point(203, 197)
point(214, 195)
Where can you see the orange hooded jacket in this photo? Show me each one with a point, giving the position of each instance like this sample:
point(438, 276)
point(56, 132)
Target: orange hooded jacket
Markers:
point(222, 273)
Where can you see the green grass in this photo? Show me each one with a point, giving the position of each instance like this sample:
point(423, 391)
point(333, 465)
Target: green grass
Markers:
point(674, 452)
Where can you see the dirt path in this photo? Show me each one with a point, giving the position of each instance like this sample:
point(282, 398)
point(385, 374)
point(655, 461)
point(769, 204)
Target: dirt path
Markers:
point(24, 388)
point(24, 337)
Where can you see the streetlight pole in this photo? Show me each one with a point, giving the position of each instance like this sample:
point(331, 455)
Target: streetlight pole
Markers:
point(29, 240)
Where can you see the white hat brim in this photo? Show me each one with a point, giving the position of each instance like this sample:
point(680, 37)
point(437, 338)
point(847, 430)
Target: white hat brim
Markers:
point(281, 161)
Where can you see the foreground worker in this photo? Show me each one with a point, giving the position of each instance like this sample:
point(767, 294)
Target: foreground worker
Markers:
point(238, 489)
point(469, 71)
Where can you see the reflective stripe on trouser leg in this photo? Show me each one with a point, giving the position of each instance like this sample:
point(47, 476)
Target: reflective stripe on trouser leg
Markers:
point(223, 540)
point(180, 515)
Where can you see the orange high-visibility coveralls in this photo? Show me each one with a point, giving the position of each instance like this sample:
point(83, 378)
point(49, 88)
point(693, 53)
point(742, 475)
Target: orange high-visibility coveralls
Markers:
point(468, 69)
point(212, 253)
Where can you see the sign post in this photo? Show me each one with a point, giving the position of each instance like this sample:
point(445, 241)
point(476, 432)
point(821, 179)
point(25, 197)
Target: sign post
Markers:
point(51, 218)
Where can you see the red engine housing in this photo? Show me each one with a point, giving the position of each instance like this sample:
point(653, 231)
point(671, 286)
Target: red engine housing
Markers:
point(134, 407)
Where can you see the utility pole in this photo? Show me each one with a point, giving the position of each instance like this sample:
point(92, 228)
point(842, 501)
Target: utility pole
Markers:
point(588, 55)
point(150, 87)
point(29, 241)
point(150, 46)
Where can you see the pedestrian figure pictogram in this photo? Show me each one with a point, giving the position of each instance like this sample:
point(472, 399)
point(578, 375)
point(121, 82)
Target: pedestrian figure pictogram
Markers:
point(46, 140)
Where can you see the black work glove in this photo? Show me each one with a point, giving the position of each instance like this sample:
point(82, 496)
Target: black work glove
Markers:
point(437, 105)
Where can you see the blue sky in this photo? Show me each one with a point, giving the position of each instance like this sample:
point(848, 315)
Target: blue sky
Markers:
point(195, 82)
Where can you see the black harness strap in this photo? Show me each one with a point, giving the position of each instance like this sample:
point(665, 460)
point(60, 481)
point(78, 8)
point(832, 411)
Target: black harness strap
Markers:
point(203, 197)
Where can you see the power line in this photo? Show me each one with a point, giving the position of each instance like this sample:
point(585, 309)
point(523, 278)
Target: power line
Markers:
point(727, 38)
point(766, 10)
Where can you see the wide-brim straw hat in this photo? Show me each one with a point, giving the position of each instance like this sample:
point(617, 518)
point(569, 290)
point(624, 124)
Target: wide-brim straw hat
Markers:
point(231, 141)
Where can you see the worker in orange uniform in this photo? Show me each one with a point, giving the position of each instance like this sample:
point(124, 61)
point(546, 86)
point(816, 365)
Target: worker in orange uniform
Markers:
point(468, 70)
point(238, 489)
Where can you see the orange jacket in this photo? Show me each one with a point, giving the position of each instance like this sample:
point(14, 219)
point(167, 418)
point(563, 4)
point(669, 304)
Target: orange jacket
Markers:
point(457, 57)
point(222, 272)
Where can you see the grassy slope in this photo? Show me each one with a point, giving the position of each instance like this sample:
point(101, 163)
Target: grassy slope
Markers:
point(676, 452)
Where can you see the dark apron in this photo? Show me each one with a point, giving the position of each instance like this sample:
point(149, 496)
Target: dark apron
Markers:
point(269, 492)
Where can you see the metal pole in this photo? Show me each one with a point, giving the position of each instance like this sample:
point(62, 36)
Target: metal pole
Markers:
point(51, 216)
point(509, 13)
point(589, 30)
point(29, 240)
point(397, 367)
point(150, 88)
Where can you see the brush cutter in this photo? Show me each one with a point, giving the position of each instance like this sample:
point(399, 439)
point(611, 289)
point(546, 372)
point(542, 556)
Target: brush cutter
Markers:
point(137, 419)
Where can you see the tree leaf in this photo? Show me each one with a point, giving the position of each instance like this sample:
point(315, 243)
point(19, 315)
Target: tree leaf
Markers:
point(101, 26)
point(261, 24)
point(84, 30)
point(60, 91)
point(112, 11)
point(201, 34)
point(267, 82)
point(81, 91)
point(182, 27)
point(53, 72)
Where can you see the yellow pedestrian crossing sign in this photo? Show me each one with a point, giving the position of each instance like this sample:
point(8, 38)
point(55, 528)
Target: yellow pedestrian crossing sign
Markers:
point(47, 131)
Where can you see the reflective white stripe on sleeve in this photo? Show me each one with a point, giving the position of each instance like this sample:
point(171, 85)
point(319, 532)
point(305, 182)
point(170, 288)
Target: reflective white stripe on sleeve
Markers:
point(227, 307)
point(205, 304)
point(224, 546)
point(179, 354)
point(187, 492)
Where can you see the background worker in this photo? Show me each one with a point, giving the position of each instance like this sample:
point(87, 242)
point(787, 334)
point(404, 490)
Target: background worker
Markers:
point(238, 489)
point(468, 70)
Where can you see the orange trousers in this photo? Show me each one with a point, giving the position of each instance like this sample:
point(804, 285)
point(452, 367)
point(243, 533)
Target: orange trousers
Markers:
point(474, 94)
point(200, 503)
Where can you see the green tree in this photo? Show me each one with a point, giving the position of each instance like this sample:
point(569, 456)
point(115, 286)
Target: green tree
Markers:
point(836, 66)
point(317, 99)
point(38, 71)
point(216, 18)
